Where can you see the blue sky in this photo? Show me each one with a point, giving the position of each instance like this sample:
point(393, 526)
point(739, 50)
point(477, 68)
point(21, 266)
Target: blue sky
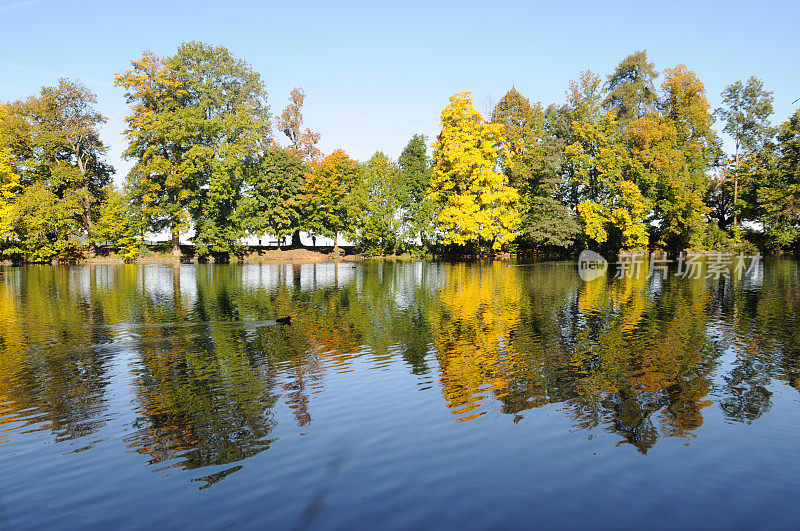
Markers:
point(377, 72)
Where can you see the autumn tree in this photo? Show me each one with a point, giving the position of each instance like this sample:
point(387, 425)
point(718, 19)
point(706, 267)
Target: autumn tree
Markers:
point(67, 123)
point(478, 206)
point(290, 123)
point(120, 223)
point(682, 148)
point(10, 187)
point(328, 189)
point(10, 176)
point(522, 127)
point(227, 119)
point(303, 144)
point(156, 180)
point(275, 196)
point(676, 193)
point(745, 111)
point(197, 122)
point(585, 97)
point(584, 102)
point(53, 141)
point(46, 226)
point(685, 104)
point(612, 206)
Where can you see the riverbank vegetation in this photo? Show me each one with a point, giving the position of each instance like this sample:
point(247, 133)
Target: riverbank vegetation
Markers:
point(631, 160)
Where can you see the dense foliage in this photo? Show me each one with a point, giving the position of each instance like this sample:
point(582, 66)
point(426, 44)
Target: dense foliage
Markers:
point(623, 163)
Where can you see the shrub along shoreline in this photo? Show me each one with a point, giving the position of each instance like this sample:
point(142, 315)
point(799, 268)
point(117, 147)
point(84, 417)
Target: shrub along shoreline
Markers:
point(107, 255)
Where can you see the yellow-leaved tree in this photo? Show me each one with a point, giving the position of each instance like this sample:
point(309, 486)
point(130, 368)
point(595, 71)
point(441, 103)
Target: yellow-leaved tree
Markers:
point(477, 204)
point(9, 188)
point(327, 198)
point(613, 208)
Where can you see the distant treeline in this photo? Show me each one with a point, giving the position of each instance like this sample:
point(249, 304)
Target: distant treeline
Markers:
point(624, 163)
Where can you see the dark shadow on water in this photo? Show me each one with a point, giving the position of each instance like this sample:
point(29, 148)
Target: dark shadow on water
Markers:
point(317, 499)
point(211, 479)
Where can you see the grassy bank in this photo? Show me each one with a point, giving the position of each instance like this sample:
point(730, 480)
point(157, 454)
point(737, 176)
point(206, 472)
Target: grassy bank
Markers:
point(161, 255)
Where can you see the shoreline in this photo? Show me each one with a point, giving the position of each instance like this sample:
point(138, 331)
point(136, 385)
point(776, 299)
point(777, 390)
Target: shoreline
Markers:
point(305, 256)
point(288, 256)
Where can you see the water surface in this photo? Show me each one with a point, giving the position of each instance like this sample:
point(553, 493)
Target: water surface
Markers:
point(402, 395)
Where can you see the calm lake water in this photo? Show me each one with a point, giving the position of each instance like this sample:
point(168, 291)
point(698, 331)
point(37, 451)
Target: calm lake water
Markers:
point(476, 395)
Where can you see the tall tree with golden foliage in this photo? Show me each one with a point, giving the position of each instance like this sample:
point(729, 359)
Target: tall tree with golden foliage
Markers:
point(612, 206)
point(478, 206)
point(9, 188)
point(688, 148)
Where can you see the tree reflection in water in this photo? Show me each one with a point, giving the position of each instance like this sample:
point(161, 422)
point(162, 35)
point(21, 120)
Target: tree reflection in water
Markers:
point(641, 358)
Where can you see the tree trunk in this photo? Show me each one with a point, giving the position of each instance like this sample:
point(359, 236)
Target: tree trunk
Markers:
point(335, 239)
point(88, 223)
point(296, 242)
point(87, 215)
point(736, 189)
point(176, 244)
point(87, 220)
